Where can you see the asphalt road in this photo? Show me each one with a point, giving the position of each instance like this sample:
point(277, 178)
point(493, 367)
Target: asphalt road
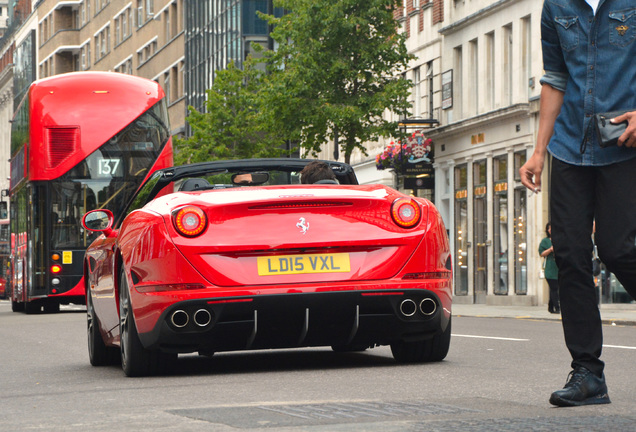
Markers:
point(497, 377)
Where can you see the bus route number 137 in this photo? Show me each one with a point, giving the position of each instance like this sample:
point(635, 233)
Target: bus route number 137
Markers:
point(108, 167)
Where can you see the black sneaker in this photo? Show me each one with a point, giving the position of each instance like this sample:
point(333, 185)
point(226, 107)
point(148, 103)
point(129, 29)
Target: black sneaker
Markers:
point(581, 388)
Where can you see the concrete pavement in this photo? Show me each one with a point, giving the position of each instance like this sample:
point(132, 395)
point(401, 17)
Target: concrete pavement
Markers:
point(612, 314)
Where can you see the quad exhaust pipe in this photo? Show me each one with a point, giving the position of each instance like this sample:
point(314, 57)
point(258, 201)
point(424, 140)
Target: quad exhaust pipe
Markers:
point(427, 307)
point(408, 307)
point(201, 318)
point(179, 318)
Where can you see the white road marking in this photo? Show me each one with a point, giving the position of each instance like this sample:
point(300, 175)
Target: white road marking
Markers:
point(619, 346)
point(490, 337)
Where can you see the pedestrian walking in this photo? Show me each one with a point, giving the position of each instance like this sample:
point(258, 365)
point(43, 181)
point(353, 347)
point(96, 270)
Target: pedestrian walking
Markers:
point(550, 269)
point(589, 47)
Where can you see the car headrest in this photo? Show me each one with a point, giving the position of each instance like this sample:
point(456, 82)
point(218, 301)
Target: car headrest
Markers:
point(326, 181)
point(194, 184)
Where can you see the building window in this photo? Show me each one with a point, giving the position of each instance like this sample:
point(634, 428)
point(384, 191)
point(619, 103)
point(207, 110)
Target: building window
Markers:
point(417, 97)
point(429, 86)
point(150, 8)
point(168, 26)
point(100, 5)
point(147, 51)
point(458, 65)
point(118, 38)
point(125, 32)
point(526, 56)
point(166, 86)
point(474, 77)
point(140, 13)
point(102, 43)
point(122, 30)
point(174, 83)
point(490, 70)
point(125, 67)
point(85, 56)
point(175, 19)
point(82, 13)
point(507, 66)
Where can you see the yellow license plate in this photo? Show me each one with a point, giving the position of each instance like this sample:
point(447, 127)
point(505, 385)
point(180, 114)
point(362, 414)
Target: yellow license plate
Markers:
point(303, 264)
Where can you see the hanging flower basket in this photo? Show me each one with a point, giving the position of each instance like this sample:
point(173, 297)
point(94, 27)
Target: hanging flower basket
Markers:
point(391, 157)
point(397, 156)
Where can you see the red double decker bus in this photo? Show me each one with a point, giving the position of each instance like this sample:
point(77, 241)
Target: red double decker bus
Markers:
point(79, 141)
point(5, 253)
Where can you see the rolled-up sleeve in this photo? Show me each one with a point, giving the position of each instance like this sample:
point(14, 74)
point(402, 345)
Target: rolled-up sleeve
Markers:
point(558, 80)
point(553, 60)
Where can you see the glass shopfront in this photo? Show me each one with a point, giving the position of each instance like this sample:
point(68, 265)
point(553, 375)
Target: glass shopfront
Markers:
point(500, 224)
point(461, 230)
point(480, 231)
point(490, 256)
point(520, 227)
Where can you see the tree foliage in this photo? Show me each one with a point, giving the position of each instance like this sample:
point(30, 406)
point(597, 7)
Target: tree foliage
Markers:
point(231, 127)
point(335, 72)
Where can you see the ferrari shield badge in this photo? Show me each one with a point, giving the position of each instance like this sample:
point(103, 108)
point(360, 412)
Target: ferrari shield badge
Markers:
point(303, 225)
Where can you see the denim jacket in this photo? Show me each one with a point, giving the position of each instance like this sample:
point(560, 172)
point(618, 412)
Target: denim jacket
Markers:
point(595, 56)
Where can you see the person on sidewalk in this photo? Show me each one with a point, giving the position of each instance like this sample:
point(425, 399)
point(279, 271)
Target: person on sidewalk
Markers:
point(588, 47)
point(550, 269)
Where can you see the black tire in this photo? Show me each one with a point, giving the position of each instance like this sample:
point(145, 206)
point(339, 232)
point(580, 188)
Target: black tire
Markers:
point(98, 353)
point(136, 360)
point(51, 308)
point(17, 306)
point(429, 350)
point(32, 307)
point(349, 348)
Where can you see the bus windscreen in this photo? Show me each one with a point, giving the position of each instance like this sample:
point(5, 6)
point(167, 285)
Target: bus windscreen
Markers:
point(107, 178)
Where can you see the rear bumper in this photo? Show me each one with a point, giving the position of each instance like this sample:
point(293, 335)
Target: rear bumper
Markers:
point(343, 318)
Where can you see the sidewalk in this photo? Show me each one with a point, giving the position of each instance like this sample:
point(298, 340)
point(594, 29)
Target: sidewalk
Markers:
point(612, 314)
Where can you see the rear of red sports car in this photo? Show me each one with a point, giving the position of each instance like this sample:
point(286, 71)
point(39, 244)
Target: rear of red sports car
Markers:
point(345, 266)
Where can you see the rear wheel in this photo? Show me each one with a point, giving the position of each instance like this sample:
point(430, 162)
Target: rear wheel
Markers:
point(429, 350)
point(135, 359)
point(98, 353)
point(17, 306)
point(52, 308)
point(32, 307)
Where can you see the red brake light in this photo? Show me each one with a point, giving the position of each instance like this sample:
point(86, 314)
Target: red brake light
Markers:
point(406, 212)
point(56, 268)
point(189, 221)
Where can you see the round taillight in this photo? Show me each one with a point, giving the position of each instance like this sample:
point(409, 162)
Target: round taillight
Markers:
point(190, 221)
point(56, 268)
point(405, 212)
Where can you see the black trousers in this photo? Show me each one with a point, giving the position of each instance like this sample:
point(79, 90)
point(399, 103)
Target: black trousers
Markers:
point(553, 304)
point(578, 197)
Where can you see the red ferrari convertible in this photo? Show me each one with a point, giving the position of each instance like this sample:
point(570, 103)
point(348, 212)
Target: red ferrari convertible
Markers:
point(239, 255)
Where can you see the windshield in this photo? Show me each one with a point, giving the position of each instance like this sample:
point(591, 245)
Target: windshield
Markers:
point(107, 178)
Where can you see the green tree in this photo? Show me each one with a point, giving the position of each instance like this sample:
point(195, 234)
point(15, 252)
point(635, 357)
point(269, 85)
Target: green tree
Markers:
point(335, 72)
point(231, 127)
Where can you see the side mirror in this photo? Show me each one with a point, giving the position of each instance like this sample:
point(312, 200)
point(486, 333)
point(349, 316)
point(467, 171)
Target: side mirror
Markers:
point(99, 221)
